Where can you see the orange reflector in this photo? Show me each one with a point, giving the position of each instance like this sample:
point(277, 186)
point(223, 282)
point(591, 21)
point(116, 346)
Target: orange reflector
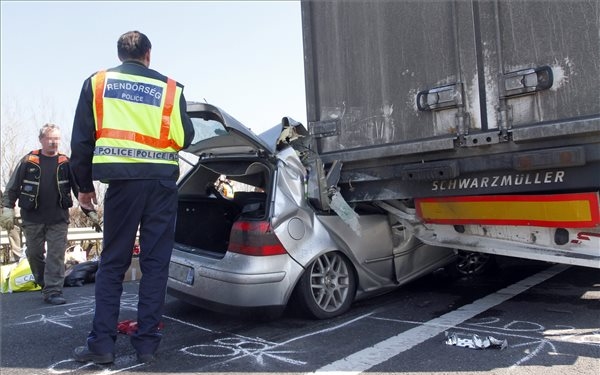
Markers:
point(578, 210)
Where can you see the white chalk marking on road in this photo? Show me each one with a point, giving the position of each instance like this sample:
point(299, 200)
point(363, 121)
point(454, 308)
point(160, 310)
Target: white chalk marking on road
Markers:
point(188, 323)
point(535, 352)
point(386, 349)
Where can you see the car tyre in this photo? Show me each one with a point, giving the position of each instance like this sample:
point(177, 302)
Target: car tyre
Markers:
point(327, 287)
point(470, 263)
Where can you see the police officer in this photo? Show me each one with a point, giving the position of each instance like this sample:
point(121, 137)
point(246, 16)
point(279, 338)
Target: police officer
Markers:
point(130, 122)
point(42, 183)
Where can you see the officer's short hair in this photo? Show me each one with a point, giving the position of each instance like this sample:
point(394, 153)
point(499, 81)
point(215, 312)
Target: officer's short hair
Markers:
point(47, 128)
point(133, 45)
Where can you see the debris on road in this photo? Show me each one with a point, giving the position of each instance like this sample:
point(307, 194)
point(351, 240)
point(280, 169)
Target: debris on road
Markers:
point(474, 341)
point(129, 327)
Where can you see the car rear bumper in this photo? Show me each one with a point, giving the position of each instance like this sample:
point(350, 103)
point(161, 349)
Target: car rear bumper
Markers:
point(264, 281)
point(258, 312)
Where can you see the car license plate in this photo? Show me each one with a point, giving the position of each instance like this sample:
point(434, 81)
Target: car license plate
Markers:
point(182, 273)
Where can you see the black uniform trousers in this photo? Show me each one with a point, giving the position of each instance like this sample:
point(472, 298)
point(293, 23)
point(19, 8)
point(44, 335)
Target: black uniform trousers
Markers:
point(151, 204)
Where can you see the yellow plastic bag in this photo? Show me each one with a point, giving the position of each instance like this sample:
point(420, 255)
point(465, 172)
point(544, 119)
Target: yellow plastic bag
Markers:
point(4, 274)
point(21, 279)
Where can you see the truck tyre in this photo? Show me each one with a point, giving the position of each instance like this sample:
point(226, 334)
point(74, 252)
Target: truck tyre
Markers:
point(327, 287)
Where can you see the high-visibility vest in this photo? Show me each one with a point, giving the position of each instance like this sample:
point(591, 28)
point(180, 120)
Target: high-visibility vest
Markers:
point(135, 120)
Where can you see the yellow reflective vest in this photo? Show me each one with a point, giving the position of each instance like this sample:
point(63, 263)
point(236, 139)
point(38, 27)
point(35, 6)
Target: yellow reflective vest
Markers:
point(135, 120)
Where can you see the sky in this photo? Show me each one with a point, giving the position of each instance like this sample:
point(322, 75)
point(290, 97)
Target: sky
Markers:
point(245, 57)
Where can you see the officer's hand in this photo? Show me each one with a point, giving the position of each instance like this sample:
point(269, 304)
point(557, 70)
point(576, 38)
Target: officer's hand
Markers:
point(7, 218)
point(93, 216)
point(87, 201)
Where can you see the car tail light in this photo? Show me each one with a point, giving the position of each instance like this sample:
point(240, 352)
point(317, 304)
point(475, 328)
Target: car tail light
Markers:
point(254, 238)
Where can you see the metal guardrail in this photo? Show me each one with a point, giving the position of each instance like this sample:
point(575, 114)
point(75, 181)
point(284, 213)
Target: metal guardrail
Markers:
point(87, 238)
point(74, 235)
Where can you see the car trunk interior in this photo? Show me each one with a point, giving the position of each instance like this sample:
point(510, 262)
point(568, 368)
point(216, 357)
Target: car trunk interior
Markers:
point(205, 217)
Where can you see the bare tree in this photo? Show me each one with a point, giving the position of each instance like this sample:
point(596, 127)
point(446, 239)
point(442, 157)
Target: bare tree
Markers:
point(13, 140)
point(20, 125)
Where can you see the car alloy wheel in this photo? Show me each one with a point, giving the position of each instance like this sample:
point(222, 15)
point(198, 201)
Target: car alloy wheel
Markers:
point(327, 287)
point(472, 263)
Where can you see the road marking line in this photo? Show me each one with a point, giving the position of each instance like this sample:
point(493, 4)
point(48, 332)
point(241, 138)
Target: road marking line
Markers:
point(386, 349)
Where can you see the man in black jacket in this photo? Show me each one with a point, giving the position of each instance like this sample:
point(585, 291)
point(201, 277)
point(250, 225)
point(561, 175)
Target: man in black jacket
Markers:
point(42, 183)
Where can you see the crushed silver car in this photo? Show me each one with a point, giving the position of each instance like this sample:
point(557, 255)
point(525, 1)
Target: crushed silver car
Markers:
point(285, 233)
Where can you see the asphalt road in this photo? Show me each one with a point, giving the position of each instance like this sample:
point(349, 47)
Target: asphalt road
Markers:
point(549, 316)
